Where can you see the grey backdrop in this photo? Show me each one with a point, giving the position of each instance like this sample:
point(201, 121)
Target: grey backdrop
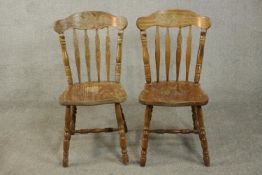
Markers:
point(32, 77)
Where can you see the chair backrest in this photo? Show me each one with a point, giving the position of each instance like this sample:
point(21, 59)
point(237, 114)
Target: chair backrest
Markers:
point(169, 19)
point(89, 20)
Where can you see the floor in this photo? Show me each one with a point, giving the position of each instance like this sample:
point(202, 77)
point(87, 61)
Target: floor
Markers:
point(32, 135)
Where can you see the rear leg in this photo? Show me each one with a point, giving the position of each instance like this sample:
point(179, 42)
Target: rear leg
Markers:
point(123, 116)
point(202, 136)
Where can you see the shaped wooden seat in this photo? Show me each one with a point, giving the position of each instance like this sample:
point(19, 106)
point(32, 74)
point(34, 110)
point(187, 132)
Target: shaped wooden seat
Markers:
point(177, 92)
point(172, 93)
point(93, 91)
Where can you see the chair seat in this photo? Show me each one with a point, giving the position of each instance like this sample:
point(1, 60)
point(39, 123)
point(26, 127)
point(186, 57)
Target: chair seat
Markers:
point(93, 93)
point(173, 93)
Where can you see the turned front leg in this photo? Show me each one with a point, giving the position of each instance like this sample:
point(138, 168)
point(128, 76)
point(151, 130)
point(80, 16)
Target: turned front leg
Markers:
point(144, 142)
point(121, 128)
point(67, 136)
point(202, 136)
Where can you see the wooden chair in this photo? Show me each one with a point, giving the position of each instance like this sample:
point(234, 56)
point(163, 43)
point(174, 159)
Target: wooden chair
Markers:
point(92, 91)
point(174, 93)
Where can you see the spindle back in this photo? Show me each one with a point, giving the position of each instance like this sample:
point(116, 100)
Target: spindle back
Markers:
point(91, 20)
point(170, 19)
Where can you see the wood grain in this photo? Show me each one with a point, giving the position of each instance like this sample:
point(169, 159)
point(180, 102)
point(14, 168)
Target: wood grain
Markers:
point(67, 136)
point(77, 55)
point(87, 55)
point(124, 120)
point(145, 56)
point(73, 122)
point(178, 53)
point(168, 19)
point(194, 117)
point(93, 20)
point(144, 141)
point(173, 131)
point(92, 92)
point(202, 136)
point(173, 93)
point(167, 54)
point(90, 20)
point(188, 51)
point(98, 55)
point(66, 60)
point(200, 55)
point(173, 18)
point(119, 55)
point(121, 130)
point(177, 92)
point(95, 130)
point(107, 56)
point(157, 52)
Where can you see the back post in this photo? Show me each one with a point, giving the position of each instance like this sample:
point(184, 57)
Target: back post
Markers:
point(145, 56)
point(65, 59)
point(119, 55)
point(200, 55)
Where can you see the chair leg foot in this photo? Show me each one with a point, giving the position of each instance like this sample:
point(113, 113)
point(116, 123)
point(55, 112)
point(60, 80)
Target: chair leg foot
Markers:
point(202, 136)
point(67, 136)
point(122, 139)
point(65, 163)
point(143, 160)
point(123, 116)
point(144, 141)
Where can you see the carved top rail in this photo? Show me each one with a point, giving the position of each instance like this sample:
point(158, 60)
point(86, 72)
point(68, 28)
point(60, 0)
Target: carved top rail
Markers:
point(90, 20)
point(173, 18)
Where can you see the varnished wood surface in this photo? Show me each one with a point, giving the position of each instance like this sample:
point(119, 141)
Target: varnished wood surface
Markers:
point(200, 55)
point(87, 56)
point(202, 136)
point(67, 135)
point(87, 21)
point(145, 56)
point(173, 131)
point(77, 55)
point(178, 53)
point(107, 56)
point(188, 51)
point(119, 55)
point(167, 54)
point(121, 130)
point(157, 52)
point(90, 20)
point(173, 18)
point(145, 136)
point(65, 57)
point(73, 112)
point(93, 93)
point(194, 117)
point(98, 56)
point(95, 130)
point(173, 93)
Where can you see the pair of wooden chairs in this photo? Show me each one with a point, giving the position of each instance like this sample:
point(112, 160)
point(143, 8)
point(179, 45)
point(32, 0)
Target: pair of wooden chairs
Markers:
point(156, 93)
